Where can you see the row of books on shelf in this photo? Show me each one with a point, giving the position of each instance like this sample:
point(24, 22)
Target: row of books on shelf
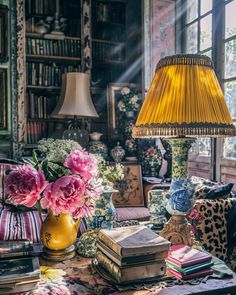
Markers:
point(36, 131)
point(19, 266)
point(66, 47)
point(137, 253)
point(40, 107)
point(105, 51)
point(40, 7)
point(42, 74)
point(109, 12)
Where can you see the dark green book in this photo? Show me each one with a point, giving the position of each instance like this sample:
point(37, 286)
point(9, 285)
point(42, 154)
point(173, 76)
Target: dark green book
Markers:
point(189, 269)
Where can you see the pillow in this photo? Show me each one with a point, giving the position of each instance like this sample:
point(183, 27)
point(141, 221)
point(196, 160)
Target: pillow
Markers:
point(221, 191)
point(24, 225)
point(207, 189)
point(208, 218)
point(132, 213)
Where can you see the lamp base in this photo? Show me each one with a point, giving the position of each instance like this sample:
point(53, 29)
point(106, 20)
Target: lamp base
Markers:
point(58, 255)
point(178, 231)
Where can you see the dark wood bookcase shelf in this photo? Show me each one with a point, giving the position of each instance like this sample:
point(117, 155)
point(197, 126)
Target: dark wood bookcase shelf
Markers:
point(64, 59)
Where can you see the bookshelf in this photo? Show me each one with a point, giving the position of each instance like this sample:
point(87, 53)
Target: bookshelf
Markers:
point(97, 37)
point(47, 57)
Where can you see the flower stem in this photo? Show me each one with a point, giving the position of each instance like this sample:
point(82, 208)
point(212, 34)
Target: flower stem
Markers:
point(39, 210)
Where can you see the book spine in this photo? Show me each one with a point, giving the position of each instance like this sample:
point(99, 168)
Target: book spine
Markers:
point(110, 266)
point(110, 243)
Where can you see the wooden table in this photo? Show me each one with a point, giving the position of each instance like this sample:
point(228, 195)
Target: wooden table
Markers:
point(81, 278)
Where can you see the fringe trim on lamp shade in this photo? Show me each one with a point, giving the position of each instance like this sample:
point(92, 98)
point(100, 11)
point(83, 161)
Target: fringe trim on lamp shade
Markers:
point(184, 99)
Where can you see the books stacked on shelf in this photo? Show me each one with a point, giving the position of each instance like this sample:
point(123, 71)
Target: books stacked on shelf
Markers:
point(69, 47)
point(108, 51)
point(19, 275)
point(36, 131)
point(185, 262)
point(40, 107)
point(131, 253)
point(47, 74)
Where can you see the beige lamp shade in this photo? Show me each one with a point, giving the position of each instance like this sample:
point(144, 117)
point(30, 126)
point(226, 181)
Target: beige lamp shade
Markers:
point(75, 98)
point(184, 99)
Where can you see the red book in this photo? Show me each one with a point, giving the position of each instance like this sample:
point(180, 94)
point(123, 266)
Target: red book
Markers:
point(184, 256)
point(198, 274)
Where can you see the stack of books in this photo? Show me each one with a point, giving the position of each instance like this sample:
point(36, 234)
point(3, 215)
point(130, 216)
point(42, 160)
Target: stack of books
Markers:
point(186, 263)
point(131, 253)
point(18, 273)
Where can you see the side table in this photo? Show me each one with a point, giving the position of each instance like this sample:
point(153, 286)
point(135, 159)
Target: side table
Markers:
point(80, 277)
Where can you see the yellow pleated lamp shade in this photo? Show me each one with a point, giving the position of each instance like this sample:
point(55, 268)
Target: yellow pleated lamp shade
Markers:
point(184, 99)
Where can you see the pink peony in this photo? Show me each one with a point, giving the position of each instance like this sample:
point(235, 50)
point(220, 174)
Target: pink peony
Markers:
point(82, 163)
point(86, 210)
point(24, 185)
point(66, 194)
point(60, 290)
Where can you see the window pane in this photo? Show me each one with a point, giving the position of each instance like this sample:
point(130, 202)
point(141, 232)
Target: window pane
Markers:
point(192, 38)
point(230, 19)
point(192, 10)
point(204, 146)
point(206, 6)
point(208, 53)
point(206, 36)
point(230, 96)
point(230, 147)
point(230, 59)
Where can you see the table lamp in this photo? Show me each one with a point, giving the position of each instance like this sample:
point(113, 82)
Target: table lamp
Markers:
point(75, 103)
point(184, 101)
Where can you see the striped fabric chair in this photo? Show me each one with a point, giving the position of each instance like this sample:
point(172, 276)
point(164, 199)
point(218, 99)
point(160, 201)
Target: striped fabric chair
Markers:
point(20, 224)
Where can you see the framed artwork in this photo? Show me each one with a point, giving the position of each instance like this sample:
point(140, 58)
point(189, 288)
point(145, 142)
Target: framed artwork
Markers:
point(113, 96)
point(3, 33)
point(130, 188)
point(3, 99)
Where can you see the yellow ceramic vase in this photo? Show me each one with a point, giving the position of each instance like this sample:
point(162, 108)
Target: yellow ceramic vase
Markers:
point(59, 232)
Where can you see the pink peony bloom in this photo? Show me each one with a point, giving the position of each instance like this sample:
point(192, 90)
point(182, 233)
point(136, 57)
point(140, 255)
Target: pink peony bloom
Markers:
point(24, 185)
point(60, 290)
point(86, 210)
point(82, 163)
point(64, 195)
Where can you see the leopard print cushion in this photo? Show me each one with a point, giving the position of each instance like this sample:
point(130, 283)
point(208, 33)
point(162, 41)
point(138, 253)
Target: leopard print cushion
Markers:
point(208, 218)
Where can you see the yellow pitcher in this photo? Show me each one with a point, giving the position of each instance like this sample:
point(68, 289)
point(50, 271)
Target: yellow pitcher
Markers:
point(59, 232)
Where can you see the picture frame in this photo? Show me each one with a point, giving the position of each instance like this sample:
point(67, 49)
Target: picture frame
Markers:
point(113, 95)
point(3, 33)
point(3, 100)
point(130, 189)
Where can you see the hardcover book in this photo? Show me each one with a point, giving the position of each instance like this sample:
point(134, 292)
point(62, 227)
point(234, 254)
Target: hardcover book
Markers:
point(131, 272)
point(19, 270)
point(129, 260)
point(184, 256)
point(15, 248)
point(198, 274)
point(133, 240)
point(189, 269)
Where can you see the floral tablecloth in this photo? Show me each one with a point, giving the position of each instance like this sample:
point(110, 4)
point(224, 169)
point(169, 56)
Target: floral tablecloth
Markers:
point(79, 276)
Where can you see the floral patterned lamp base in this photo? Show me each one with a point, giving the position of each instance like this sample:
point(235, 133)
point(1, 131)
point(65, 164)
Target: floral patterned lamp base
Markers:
point(177, 229)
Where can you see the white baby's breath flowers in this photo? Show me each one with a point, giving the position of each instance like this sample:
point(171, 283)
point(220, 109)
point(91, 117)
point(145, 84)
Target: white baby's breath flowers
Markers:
point(125, 91)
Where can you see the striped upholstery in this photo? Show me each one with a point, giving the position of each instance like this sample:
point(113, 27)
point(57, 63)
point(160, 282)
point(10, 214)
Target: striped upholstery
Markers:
point(16, 225)
point(19, 225)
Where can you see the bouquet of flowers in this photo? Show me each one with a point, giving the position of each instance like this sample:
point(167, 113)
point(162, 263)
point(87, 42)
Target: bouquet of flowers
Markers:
point(110, 174)
point(130, 100)
point(152, 154)
point(39, 183)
